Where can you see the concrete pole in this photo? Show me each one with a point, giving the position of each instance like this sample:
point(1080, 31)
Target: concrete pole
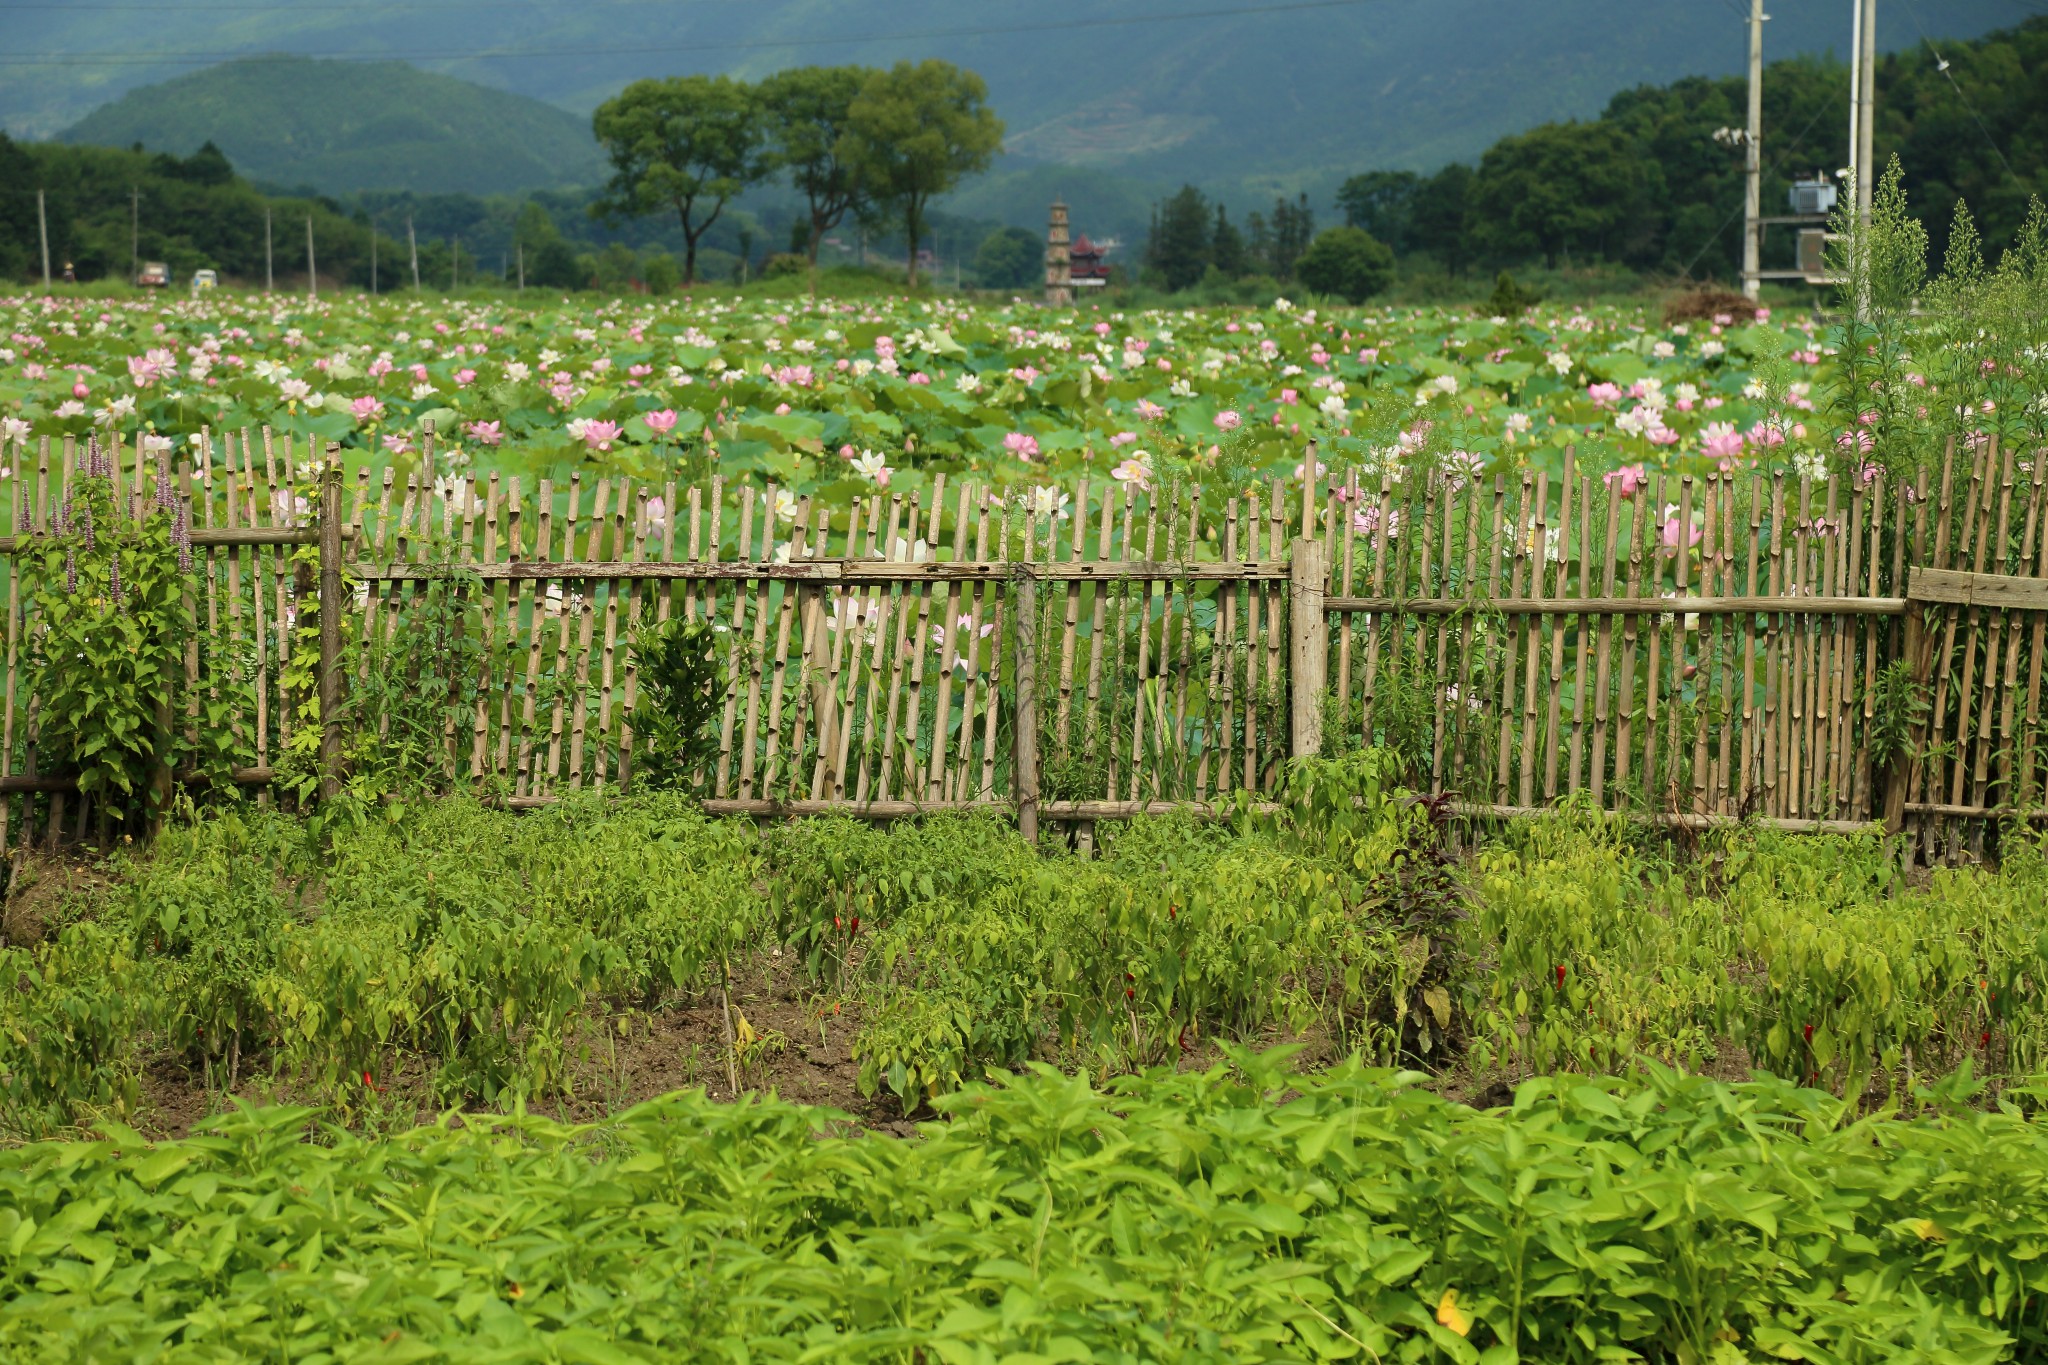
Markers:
point(413, 244)
point(1753, 158)
point(312, 267)
point(43, 227)
point(269, 262)
point(1866, 155)
point(1855, 91)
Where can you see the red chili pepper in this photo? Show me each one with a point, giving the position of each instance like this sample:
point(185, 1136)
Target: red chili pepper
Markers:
point(1809, 1033)
point(1173, 912)
point(1986, 1040)
point(856, 924)
point(838, 923)
point(1560, 976)
point(1130, 993)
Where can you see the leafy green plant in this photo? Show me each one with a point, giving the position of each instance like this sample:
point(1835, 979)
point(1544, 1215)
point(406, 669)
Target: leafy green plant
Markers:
point(109, 599)
point(682, 670)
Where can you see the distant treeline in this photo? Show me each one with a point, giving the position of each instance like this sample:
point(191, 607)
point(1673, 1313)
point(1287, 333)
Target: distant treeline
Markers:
point(195, 212)
point(1649, 185)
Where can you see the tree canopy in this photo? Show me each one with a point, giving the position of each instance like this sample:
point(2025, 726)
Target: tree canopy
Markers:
point(913, 132)
point(689, 143)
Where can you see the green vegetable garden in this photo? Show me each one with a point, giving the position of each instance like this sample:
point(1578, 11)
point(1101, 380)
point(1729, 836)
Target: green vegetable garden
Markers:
point(909, 831)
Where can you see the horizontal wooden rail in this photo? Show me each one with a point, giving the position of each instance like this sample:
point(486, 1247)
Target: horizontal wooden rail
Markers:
point(228, 536)
point(1620, 606)
point(1957, 588)
point(829, 571)
point(241, 777)
point(1208, 810)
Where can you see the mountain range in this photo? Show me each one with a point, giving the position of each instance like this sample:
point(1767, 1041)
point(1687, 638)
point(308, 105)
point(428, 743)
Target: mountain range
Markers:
point(1251, 100)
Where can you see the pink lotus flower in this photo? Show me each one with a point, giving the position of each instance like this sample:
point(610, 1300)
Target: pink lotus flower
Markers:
point(1672, 532)
point(1023, 446)
point(486, 433)
point(1289, 396)
point(1228, 420)
point(599, 435)
point(1720, 441)
point(661, 423)
point(1122, 438)
point(1368, 355)
point(464, 378)
point(79, 390)
point(1604, 393)
point(920, 377)
point(782, 409)
point(1859, 442)
point(368, 409)
point(1150, 410)
point(1626, 481)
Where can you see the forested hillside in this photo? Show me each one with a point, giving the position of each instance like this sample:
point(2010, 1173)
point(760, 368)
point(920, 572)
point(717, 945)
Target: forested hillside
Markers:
point(341, 126)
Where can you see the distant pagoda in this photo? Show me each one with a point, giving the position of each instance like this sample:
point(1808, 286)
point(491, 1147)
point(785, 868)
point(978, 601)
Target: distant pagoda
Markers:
point(1059, 282)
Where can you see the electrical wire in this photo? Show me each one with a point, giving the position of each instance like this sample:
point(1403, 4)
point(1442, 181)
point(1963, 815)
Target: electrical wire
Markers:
point(1941, 65)
point(643, 49)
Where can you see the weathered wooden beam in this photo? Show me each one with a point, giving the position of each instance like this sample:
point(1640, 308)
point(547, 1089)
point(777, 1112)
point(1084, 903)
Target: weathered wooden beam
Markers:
point(1996, 590)
point(1621, 606)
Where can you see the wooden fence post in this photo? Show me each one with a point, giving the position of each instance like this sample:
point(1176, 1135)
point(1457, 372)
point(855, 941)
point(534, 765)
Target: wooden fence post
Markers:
point(1024, 726)
point(1919, 657)
point(1308, 633)
point(330, 624)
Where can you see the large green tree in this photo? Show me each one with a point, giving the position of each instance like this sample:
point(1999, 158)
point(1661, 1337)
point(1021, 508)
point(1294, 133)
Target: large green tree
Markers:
point(807, 111)
point(913, 132)
point(1382, 203)
point(687, 143)
point(1348, 262)
point(1180, 245)
point(1559, 190)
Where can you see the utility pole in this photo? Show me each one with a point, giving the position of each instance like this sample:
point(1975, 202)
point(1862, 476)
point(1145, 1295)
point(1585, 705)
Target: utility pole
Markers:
point(1855, 91)
point(413, 243)
point(1753, 158)
point(373, 258)
point(134, 233)
point(269, 263)
point(43, 226)
point(522, 264)
point(312, 270)
point(1866, 100)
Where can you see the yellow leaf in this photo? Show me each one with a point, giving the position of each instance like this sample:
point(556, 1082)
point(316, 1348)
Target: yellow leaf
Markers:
point(1448, 1314)
point(1929, 1232)
point(1439, 1001)
point(743, 1030)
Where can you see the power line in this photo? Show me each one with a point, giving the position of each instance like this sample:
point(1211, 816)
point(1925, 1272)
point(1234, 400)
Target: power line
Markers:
point(1941, 65)
point(328, 8)
point(988, 30)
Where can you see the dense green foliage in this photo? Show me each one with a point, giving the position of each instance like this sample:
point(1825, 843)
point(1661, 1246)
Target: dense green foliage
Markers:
point(342, 126)
point(480, 946)
point(1239, 1214)
point(1648, 184)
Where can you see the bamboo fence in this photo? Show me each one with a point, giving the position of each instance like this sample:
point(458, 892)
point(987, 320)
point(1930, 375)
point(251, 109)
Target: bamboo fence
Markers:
point(1687, 649)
